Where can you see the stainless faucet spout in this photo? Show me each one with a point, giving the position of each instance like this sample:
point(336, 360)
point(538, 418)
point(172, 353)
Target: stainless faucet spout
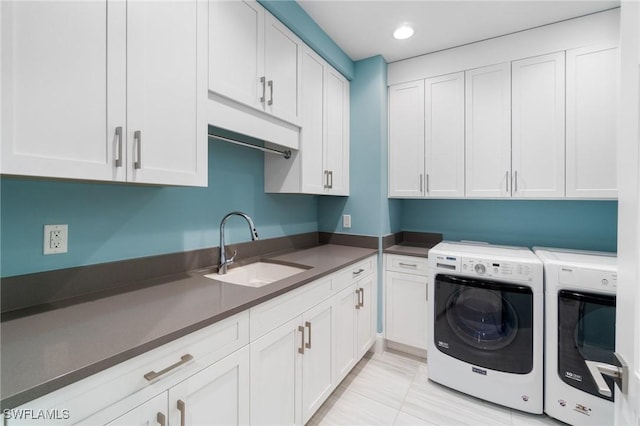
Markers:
point(224, 262)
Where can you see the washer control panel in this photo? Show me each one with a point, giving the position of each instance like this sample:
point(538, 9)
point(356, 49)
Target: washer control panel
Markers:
point(497, 269)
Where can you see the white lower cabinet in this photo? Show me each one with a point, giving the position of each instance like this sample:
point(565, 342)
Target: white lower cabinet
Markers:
point(405, 283)
point(274, 364)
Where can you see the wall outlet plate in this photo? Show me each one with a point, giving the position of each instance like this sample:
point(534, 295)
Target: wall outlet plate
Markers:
point(55, 239)
point(346, 221)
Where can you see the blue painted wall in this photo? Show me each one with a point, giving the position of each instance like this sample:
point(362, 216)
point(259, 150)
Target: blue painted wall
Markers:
point(586, 225)
point(109, 222)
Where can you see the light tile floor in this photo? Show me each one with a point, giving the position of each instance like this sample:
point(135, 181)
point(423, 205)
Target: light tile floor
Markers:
point(392, 389)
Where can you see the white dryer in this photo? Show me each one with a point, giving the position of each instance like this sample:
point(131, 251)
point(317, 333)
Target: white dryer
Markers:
point(580, 319)
point(486, 304)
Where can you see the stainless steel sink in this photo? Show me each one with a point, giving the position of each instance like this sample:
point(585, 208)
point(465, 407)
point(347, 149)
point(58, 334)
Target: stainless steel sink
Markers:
point(256, 274)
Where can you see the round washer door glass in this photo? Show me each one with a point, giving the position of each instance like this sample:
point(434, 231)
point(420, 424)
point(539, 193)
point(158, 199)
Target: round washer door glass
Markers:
point(482, 318)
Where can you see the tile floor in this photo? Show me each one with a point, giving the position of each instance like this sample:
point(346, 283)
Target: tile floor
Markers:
point(392, 389)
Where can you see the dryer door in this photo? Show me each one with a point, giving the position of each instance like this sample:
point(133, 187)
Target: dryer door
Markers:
point(586, 331)
point(485, 323)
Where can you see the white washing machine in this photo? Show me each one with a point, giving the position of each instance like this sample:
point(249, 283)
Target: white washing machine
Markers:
point(580, 319)
point(486, 304)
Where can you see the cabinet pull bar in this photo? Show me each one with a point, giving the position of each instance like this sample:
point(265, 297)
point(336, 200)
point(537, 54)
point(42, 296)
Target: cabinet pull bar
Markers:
point(362, 296)
point(410, 265)
point(421, 183)
point(427, 183)
point(137, 139)
point(308, 344)
point(358, 296)
point(264, 89)
point(183, 412)
point(515, 182)
point(270, 84)
point(506, 181)
point(161, 419)
point(119, 138)
point(358, 272)
point(326, 179)
point(301, 348)
point(331, 179)
point(151, 375)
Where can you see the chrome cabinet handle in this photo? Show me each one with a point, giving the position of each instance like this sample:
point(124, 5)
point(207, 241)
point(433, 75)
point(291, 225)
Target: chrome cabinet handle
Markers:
point(119, 138)
point(137, 139)
point(410, 265)
point(301, 348)
point(151, 375)
point(506, 181)
point(427, 183)
point(308, 344)
point(161, 419)
point(421, 183)
point(358, 272)
point(270, 84)
point(515, 182)
point(183, 412)
point(264, 89)
point(326, 179)
point(362, 296)
point(358, 296)
point(331, 179)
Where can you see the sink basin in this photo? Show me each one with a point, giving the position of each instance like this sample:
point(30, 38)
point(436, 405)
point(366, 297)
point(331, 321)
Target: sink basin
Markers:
point(256, 274)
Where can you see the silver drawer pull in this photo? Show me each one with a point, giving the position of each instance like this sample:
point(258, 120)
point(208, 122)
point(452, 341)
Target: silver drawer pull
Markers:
point(358, 296)
point(119, 138)
point(301, 348)
point(183, 412)
point(409, 265)
point(264, 89)
point(152, 375)
point(270, 84)
point(161, 419)
point(308, 344)
point(137, 140)
point(361, 302)
point(358, 272)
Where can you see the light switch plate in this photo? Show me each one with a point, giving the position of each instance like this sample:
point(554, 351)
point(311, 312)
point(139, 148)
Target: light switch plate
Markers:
point(346, 221)
point(55, 239)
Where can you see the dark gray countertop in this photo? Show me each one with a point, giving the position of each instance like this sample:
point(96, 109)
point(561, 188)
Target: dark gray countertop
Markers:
point(409, 250)
point(44, 352)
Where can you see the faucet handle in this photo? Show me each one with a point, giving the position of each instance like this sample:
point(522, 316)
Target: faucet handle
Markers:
point(230, 261)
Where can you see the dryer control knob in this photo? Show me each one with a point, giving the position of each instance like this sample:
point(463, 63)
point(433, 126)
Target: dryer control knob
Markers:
point(480, 268)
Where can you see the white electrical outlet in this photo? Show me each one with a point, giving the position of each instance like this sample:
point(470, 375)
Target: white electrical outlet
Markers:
point(346, 221)
point(55, 239)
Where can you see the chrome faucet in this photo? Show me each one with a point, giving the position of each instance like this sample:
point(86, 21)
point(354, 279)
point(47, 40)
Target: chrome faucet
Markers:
point(222, 269)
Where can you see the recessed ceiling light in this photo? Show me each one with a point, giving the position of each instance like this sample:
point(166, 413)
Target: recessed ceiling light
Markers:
point(403, 32)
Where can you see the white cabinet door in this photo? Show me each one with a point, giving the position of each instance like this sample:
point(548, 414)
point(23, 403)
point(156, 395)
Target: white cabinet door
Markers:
point(344, 333)
point(166, 139)
point(538, 131)
point(366, 314)
point(152, 412)
point(236, 58)
point(312, 134)
point(444, 136)
point(63, 88)
point(406, 309)
point(337, 132)
point(406, 140)
point(488, 131)
point(282, 56)
point(317, 368)
point(276, 376)
point(592, 87)
point(217, 395)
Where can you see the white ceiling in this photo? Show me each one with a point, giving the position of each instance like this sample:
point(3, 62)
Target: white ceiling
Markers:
point(363, 28)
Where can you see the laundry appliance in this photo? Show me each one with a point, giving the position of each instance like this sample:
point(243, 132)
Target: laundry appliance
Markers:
point(486, 340)
point(580, 315)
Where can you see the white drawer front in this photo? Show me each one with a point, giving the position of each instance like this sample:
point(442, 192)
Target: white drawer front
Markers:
point(186, 355)
point(269, 315)
point(353, 273)
point(408, 264)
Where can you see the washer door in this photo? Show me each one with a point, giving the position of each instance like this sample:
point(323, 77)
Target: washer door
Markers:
point(485, 323)
point(586, 331)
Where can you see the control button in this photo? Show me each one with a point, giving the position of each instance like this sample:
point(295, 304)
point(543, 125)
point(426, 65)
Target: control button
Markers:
point(495, 270)
point(605, 281)
point(480, 268)
point(464, 266)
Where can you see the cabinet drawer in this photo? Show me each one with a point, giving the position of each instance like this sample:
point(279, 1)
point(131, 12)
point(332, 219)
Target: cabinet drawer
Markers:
point(353, 273)
point(408, 264)
point(173, 362)
point(269, 315)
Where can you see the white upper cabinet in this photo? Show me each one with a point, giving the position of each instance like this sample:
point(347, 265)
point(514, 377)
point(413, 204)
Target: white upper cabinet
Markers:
point(592, 85)
point(537, 142)
point(88, 92)
point(488, 131)
point(321, 166)
point(406, 140)
point(444, 136)
point(63, 88)
point(254, 59)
